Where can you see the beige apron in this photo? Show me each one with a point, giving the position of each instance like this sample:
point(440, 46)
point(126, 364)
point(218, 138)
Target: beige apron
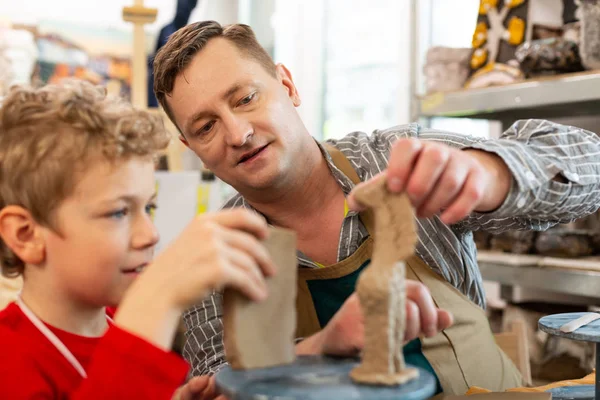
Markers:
point(463, 355)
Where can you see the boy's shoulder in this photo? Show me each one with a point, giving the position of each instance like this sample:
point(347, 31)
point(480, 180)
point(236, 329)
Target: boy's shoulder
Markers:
point(15, 334)
point(13, 326)
point(11, 317)
point(20, 343)
point(20, 357)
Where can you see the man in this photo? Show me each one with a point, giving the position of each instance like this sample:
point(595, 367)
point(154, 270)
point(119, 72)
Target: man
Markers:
point(236, 110)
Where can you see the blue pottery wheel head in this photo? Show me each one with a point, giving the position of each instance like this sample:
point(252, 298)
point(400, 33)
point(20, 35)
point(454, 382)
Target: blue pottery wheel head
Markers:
point(316, 378)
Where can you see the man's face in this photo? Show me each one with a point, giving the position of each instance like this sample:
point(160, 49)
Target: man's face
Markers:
point(239, 119)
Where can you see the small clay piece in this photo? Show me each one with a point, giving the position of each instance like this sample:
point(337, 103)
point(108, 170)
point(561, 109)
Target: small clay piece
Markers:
point(381, 288)
point(572, 32)
point(494, 74)
point(446, 69)
point(516, 242)
point(590, 38)
point(564, 243)
point(548, 57)
point(260, 335)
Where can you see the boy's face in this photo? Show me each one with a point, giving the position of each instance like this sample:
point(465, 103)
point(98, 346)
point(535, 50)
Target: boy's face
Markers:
point(104, 235)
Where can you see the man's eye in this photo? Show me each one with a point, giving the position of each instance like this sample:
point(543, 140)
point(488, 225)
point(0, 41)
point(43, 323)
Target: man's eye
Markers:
point(247, 99)
point(206, 128)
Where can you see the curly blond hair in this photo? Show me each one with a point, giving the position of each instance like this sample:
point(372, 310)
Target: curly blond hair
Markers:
point(49, 135)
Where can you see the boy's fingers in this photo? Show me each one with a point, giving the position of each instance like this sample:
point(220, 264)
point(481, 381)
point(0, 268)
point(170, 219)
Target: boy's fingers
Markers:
point(242, 281)
point(247, 265)
point(242, 219)
point(251, 246)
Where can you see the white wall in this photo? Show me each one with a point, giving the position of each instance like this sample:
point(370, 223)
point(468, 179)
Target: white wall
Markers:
point(300, 43)
point(300, 49)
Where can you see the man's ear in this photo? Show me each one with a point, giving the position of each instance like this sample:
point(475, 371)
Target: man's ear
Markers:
point(22, 234)
point(285, 77)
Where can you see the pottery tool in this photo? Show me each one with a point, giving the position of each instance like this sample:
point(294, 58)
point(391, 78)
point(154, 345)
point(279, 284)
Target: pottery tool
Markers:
point(585, 319)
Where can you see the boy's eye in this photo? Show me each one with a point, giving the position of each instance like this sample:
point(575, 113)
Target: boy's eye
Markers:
point(151, 208)
point(118, 214)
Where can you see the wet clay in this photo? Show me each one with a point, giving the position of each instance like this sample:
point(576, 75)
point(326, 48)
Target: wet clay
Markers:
point(381, 288)
point(260, 335)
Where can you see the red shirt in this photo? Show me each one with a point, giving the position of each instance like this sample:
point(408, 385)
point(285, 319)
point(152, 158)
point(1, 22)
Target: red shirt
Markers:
point(119, 365)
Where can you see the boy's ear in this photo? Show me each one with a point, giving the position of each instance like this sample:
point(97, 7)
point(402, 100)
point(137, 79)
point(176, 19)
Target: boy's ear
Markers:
point(22, 234)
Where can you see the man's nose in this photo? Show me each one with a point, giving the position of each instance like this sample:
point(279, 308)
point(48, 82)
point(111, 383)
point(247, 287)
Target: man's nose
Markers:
point(239, 130)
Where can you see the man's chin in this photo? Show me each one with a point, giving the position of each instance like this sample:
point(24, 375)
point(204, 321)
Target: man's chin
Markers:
point(263, 183)
point(258, 186)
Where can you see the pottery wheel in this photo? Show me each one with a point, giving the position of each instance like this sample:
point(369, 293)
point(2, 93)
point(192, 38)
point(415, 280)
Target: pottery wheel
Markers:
point(588, 333)
point(316, 378)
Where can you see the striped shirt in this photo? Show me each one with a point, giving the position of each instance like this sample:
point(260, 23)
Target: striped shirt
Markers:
point(535, 151)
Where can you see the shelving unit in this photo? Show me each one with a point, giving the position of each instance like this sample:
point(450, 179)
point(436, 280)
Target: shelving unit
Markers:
point(565, 95)
point(556, 97)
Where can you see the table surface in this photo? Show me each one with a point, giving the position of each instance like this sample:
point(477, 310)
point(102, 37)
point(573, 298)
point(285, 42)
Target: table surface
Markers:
point(587, 333)
point(316, 378)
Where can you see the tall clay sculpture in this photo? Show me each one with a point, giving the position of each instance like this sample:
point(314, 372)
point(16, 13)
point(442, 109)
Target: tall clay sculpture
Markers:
point(381, 288)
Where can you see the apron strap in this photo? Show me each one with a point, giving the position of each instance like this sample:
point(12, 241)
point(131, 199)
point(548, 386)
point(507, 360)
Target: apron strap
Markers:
point(307, 319)
point(343, 164)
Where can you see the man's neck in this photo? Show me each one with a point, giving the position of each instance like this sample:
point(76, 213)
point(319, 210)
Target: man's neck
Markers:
point(305, 198)
point(62, 313)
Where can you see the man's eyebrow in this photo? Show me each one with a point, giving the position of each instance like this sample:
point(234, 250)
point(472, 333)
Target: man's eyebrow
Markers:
point(231, 91)
point(203, 114)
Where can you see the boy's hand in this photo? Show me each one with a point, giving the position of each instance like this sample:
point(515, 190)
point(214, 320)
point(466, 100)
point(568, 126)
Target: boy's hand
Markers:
point(215, 250)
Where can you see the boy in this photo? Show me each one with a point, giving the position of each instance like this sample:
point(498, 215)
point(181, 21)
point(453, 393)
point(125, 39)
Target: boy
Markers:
point(76, 191)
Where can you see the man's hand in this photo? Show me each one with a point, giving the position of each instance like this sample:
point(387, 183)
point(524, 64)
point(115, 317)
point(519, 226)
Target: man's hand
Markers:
point(344, 334)
point(437, 178)
point(198, 388)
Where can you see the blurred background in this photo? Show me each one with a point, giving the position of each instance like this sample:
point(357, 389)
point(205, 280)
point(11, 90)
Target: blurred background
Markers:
point(357, 64)
point(467, 66)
